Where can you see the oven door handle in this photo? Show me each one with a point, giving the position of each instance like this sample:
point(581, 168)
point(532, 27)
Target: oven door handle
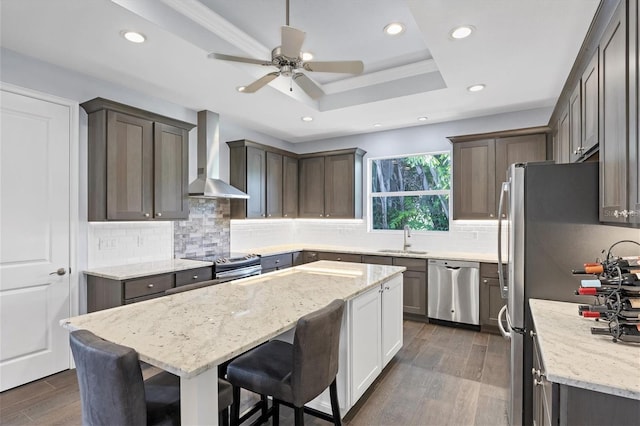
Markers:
point(239, 272)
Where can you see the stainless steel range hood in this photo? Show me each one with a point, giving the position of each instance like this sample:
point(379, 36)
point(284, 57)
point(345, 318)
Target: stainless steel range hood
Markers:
point(208, 183)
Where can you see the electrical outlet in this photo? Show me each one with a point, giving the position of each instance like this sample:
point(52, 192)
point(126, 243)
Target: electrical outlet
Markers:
point(107, 243)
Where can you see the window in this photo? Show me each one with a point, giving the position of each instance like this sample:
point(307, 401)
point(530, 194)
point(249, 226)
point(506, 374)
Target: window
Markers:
point(412, 190)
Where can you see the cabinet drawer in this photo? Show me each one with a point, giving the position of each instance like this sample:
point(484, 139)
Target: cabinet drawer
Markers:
point(148, 285)
point(377, 260)
point(419, 265)
point(490, 270)
point(309, 256)
point(276, 261)
point(340, 257)
point(194, 275)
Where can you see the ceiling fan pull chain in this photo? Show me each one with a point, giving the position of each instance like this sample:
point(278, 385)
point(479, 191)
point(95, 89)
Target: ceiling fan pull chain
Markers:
point(291, 84)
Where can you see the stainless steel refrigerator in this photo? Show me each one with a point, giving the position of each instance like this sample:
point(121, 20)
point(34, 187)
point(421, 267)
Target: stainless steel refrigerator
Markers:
point(552, 228)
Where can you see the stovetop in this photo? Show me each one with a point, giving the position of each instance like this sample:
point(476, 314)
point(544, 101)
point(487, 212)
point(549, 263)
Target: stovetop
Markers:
point(226, 258)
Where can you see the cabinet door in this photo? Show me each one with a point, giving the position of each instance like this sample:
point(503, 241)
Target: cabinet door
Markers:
point(634, 113)
point(311, 193)
point(171, 175)
point(575, 125)
point(256, 182)
point(415, 293)
point(562, 148)
point(517, 149)
point(274, 185)
point(129, 167)
point(366, 335)
point(391, 318)
point(474, 195)
point(339, 186)
point(590, 99)
point(490, 301)
point(613, 120)
point(289, 187)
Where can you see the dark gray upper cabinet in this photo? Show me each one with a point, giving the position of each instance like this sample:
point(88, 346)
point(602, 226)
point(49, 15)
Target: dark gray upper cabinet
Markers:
point(330, 184)
point(289, 187)
point(259, 170)
point(613, 120)
point(575, 124)
point(563, 140)
point(137, 164)
point(590, 101)
point(480, 164)
point(474, 195)
point(634, 113)
point(274, 185)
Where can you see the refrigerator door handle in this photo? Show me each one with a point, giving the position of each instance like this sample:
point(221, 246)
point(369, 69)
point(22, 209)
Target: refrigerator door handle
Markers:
point(506, 334)
point(503, 288)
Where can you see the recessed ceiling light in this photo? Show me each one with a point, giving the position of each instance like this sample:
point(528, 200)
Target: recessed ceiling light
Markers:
point(394, 28)
point(307, 56)
point(134, 37)
point(306, 118)
point(241, 88)
point(463, 31)
point(422, 118)
point(476, 87)
point(377, 125)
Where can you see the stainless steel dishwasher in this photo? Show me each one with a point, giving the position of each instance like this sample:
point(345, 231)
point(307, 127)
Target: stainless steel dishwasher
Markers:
point(454, 291)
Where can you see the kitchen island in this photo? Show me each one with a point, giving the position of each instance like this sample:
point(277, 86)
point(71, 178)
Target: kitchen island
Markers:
point(189, 334)
point(581, 378)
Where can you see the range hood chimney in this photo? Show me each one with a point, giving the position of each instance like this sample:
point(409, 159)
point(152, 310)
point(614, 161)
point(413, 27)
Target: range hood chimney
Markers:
point(208, 183)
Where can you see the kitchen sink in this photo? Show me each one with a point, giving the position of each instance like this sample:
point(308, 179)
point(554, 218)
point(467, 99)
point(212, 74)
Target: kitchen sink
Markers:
point(402, 251)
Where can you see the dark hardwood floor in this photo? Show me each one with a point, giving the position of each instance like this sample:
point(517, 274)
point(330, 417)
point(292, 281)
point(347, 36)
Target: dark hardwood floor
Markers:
point(441, 376)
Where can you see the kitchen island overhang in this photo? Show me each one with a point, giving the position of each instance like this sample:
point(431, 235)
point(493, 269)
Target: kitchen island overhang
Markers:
point(190, 333)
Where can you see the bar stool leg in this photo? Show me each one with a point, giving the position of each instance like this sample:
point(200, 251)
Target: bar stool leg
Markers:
point(299, 416)
point(275, 411)
point(235, 407)
point(264, 407)
point(335, 405)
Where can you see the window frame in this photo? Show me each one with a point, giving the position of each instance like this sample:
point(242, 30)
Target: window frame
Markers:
point(371, 195)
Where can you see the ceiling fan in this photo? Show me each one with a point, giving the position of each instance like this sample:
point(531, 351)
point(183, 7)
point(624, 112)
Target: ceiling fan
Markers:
point(288, 59)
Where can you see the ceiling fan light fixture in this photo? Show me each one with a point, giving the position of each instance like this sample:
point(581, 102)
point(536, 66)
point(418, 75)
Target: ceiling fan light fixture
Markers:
point(394, 28)
point(307, 56)
point(461, 32)
point(133, 36)
point(476, 87)
point(306, 119)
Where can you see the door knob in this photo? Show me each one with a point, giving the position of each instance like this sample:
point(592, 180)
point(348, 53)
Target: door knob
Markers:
point(59, 271)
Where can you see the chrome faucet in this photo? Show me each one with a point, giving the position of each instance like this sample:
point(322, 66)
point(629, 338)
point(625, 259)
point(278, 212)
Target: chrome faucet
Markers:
point(407, 234)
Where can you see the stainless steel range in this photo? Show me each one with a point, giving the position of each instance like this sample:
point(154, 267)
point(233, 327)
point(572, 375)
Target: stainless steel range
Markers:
point(232, 266)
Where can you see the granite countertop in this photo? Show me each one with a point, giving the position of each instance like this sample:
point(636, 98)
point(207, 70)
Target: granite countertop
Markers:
point(473, 257)
point(136, 270)
point(188, 333)
point(573, 356)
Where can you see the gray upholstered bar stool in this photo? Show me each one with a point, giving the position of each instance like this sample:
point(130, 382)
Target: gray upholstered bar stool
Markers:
point(112, 391)
point(294, 374)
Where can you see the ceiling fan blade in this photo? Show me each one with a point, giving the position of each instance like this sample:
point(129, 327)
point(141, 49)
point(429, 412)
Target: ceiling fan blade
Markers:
point(261, 82)
point(292, 39)
point(308, 85)
point(349, 67)
point(238, 59)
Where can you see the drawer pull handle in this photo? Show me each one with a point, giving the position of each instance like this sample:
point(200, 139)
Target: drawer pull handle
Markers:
point(195, 277)
point(146, 215)
point(339, 258)
point(277, 261)
point(159, 214)
point(150, 285)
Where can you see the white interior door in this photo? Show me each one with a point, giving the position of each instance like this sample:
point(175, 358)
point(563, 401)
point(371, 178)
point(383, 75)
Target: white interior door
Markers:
point(34, 239)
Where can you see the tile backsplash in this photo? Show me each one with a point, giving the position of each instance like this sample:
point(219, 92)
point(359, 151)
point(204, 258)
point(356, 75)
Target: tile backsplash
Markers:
point(118, 243)
point(206, 232)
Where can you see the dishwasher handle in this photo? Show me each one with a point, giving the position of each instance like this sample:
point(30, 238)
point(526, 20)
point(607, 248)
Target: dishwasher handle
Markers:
point(455, 268)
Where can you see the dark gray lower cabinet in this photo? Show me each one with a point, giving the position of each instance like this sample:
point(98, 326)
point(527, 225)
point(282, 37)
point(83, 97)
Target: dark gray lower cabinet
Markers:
point(340, 257)
point(490, 297)
point(276, 262)
point(415, 287)
point(559, 404)
point(105, 293)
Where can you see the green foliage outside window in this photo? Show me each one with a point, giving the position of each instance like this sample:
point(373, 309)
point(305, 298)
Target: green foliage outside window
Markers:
point(411, 191)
